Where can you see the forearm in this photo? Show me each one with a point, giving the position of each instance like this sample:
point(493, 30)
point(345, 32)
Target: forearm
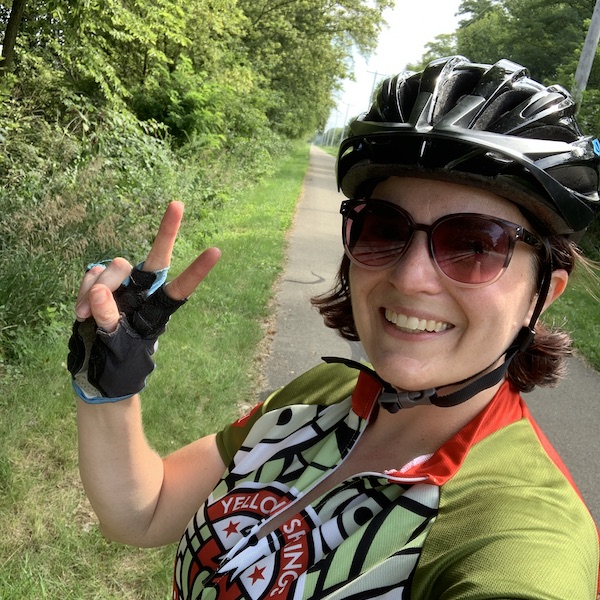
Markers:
point(121, 474)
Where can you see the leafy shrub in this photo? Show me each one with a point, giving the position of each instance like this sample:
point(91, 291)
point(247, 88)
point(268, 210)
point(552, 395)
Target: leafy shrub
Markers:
point(90, 185)
point(70, 195)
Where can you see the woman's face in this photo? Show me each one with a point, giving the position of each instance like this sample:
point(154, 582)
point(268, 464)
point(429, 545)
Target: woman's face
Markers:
point(420, 329)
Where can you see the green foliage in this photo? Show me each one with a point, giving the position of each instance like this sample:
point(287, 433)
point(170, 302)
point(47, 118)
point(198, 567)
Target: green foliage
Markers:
point(67, 199)
point(115, 107)
point(546, 36)
point(589, 112)
point(300, 49)
point(186, 102)
point(542, 34)
point(484, 39)
point(443, 45)
point(199, 66)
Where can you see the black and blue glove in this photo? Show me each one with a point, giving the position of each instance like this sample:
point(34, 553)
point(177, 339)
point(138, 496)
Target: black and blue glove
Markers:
point(113, 366)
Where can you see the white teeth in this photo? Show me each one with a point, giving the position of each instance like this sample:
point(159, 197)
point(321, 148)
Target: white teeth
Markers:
point(413, 324)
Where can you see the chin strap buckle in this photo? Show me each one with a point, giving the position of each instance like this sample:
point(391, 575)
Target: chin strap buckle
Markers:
point(390, 399)
point(393, 401)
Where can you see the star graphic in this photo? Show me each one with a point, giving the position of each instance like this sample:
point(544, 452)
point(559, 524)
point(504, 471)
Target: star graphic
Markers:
point(231, 528)
point(257, 574)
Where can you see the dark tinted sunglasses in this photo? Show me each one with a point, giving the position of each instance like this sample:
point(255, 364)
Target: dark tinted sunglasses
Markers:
point(469, 248)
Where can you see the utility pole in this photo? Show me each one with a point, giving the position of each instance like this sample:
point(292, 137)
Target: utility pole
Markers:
point(375, 76)
point(586, 60)
point(345, 124)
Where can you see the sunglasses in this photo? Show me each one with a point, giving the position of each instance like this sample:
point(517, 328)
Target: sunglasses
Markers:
point(468, 248)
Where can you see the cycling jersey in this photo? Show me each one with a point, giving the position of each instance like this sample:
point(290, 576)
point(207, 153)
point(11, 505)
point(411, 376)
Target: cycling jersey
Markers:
point(493, 513)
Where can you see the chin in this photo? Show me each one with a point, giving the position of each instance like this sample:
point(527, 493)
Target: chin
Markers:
point(405, 373)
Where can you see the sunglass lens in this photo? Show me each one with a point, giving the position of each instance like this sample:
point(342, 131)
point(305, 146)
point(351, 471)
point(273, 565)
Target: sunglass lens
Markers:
point(470, 250)
point(376, 235)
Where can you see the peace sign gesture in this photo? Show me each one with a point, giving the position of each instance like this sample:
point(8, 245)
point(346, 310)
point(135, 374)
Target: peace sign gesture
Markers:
point(95, 297)
point(117, 325)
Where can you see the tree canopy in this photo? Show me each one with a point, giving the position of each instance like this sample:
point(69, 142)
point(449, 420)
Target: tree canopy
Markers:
point(545, 35)
point(188, 64)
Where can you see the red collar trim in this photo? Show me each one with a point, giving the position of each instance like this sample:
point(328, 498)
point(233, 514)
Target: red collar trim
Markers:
point(505, 407)
point(365, 395)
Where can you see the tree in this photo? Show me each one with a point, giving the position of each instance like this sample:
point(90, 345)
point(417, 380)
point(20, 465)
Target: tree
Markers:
point(300, 48)
point(442, 45)
point(540, 34)
point(554, 27)
point(10, 35)
point(475, 10)
point(483, 37)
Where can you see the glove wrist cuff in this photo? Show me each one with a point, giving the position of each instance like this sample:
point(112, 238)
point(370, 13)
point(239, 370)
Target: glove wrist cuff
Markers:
point(96, 399)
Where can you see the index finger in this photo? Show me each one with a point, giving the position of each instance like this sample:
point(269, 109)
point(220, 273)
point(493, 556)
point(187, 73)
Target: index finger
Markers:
point(159, 256)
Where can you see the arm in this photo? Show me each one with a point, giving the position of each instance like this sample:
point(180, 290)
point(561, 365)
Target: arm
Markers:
point(140, 498)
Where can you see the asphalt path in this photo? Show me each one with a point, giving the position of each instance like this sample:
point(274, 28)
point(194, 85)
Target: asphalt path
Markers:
point(568, 414)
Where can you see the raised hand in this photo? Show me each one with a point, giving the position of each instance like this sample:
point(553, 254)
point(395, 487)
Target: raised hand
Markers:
point(121, 311)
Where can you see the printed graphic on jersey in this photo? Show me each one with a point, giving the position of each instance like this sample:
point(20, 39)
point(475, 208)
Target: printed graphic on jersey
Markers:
point(223, 556)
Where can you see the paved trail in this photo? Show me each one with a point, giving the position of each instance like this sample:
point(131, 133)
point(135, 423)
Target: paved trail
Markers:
point(568, 414)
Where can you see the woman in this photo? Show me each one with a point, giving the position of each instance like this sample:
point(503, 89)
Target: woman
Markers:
point(425, 477)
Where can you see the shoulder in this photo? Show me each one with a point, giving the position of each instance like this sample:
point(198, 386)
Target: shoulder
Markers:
point(510, 522)
point(323, 385)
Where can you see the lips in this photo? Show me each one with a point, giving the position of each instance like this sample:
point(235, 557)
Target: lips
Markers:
point(414, 324)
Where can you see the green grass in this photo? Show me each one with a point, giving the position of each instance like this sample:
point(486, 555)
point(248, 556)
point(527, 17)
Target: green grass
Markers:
point(331, 150)
point(50, 546)
point(578, 311)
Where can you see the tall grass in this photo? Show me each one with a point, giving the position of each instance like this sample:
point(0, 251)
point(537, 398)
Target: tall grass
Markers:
point(50, 546)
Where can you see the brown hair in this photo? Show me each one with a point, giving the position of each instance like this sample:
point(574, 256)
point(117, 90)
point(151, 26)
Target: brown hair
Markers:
point(542, 364)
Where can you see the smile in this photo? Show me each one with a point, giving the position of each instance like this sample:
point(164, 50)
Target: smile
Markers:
point(413, 324)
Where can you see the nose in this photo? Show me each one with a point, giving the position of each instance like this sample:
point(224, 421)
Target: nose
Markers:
point(415, 272)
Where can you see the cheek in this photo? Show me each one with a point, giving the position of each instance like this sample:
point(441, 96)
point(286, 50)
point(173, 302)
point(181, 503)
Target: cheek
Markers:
point(357, 292)
point(518, 293)
point(362, 282)
point(506, 305)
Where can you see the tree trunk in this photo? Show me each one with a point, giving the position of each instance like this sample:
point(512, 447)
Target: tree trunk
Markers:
point(10, 36)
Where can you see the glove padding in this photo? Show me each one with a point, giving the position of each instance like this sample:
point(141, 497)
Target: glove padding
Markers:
point(108, 367)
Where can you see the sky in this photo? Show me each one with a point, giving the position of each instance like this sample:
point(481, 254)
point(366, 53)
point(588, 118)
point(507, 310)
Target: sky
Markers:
point(411, 24)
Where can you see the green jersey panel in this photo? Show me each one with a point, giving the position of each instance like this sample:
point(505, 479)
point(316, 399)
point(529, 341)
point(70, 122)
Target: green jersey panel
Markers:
point(506, 519)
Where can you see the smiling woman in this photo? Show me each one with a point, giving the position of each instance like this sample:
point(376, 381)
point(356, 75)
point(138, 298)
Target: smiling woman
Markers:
point(480, 301)
point(423, 475)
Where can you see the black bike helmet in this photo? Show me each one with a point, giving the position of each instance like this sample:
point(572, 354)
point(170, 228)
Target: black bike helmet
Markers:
point(485, 125)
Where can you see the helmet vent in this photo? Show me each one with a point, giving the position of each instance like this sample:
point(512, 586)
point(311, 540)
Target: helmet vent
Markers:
point(459, 84)
point(497, 112)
